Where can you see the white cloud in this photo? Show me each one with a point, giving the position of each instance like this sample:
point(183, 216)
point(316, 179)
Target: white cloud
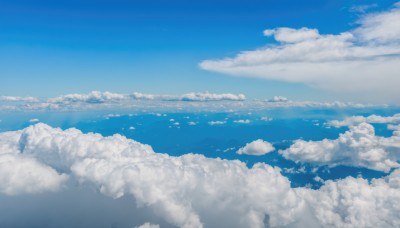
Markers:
point(174, 187)
point(20, 175)
point(92, 97)
point(192, 101)
point(266, 118)
point(365, 59)
point(353, 202)
point(289, 35)
point(33, 120)
point(354, 120)
point(242, 121)
point(17, 99)
point(358, 147)
point(148, 225)
point(257, 147)
point(182, 189)
point(278, 99)
point(206, 96)
point(217, 122)
point(362, 8)
point(212, 97)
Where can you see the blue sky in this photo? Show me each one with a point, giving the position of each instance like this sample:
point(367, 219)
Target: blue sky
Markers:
point(49, 48)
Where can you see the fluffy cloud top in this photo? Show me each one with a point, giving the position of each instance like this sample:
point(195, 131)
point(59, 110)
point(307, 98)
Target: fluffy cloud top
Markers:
point(363, 59)
point(257, 147)
point(358, 147)
point(189, 190)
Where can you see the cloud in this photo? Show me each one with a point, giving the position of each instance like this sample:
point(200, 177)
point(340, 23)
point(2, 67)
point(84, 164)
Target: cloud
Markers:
point(96, 100)
point(358, 147)
point(217, 122)
point(354, 120)
point(206, 96)
point(18, 99)
point(278, 99)
point(148, 225)
point(257, 147)
point(242, 121)
point(353, 202)
point(93, 97)
point(212, 97)
point(362, 8)
point(365, 59)
point(185, 191)
point(180, 189)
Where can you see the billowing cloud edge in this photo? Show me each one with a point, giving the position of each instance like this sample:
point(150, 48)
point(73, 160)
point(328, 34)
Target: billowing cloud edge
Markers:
point(183, 189)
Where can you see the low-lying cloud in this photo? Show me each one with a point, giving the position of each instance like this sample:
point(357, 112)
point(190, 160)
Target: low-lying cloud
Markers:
point(185, 191)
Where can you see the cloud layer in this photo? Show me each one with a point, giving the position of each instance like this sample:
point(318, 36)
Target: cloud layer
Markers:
point(189, 190)
point(97, 100)
point(363, 59)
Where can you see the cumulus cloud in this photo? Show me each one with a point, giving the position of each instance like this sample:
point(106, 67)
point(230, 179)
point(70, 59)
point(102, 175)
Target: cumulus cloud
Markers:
point(189, 190)
point(354, 120)
point(365, 59)
point(257, 147)
point(179, 189)
point(358, 147)
point(353, 202)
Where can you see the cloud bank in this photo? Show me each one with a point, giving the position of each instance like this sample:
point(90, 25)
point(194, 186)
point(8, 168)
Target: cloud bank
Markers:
point(185, 191)
point(364, 59)
point(97, 100)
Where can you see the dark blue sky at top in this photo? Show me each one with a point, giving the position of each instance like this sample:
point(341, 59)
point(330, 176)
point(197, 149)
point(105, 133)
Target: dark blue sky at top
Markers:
point(53, 47)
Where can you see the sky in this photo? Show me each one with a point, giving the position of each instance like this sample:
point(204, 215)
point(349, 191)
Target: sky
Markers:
point(189, 114)
point(50, 48)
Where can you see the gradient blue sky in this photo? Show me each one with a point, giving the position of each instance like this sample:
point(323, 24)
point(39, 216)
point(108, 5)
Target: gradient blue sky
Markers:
point(49, 48)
